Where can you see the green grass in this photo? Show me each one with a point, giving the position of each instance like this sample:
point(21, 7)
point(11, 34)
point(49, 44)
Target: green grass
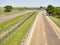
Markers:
point(56, 20)
point(18, 35)
point(8, 24)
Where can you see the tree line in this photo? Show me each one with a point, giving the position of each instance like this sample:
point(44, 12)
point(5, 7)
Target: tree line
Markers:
point(8, 8)
point(53, 11)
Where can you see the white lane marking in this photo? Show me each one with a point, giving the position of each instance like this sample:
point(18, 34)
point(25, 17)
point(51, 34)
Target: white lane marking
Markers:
point(45, 43)
point(52, 27)
point(33, 28)
point(56, 33)
point(44, 33)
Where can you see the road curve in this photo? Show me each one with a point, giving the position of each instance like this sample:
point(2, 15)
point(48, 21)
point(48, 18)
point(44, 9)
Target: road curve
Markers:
point(42, 33)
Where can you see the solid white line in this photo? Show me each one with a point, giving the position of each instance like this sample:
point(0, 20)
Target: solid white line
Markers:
point(56, 33)
point(54, 28)
point(33, 28)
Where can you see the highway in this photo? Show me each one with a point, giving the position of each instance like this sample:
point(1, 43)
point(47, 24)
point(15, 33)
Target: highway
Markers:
point(42, 32)
point(6, 18)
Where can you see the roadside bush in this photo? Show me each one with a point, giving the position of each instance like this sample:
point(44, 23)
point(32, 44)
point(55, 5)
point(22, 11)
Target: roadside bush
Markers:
point(8, 8)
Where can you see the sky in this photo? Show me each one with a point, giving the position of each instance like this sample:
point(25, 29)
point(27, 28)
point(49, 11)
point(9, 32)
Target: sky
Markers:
point(29, 3)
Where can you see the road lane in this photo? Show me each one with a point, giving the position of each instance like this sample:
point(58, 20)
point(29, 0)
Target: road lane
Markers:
point(44, 33)
point(54, 25)
point(38, 36)
point(52, 37)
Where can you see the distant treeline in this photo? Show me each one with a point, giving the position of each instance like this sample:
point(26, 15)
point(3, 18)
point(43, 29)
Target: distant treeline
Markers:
point(9, 8)
point(27, 8)
point(53, 11)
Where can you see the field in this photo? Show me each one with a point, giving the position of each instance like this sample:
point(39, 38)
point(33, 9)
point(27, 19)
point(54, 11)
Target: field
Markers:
point(18, 35)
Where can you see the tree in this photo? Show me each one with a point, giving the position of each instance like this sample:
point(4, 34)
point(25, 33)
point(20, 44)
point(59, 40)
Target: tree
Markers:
point(58, 12)
point(50, 9)
point(8, 8)
point(41, 7)
point(54, 11)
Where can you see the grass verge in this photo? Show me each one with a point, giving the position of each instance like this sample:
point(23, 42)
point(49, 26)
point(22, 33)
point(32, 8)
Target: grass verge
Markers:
point(56, 20)
point(18, 35)
point(10, 23)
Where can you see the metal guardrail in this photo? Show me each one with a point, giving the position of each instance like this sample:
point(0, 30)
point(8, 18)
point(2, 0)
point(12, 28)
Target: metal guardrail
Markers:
point(9, 33)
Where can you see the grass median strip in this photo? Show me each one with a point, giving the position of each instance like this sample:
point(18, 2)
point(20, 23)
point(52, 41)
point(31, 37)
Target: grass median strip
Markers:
point(9, 24)
point(17, 37)
point(56, 20)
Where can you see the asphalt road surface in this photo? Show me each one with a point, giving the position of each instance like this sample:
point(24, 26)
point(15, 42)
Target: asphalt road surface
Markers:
point(6, 18)
point(52, 38)
point(42, 33)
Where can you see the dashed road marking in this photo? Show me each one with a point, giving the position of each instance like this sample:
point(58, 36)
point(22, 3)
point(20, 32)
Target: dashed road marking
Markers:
point(45, 43)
